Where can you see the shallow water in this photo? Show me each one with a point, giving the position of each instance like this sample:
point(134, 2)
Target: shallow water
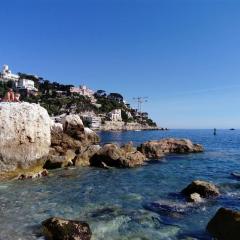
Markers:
point(138, 204)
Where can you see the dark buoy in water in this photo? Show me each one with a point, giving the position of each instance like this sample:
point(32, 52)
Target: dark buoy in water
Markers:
point(215, 131)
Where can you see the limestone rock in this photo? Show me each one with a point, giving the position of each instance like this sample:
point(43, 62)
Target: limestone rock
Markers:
point(83, 158)
point(62, 229)
point(112, 155)
point(72, 123)
point(203, 188)
point(24, 136)
point(157, 149)
point(195, 197)
point(60, 161)
point(225, 225)
point(71, 134)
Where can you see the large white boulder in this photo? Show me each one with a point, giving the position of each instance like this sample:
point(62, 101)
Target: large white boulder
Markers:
point(72, 122)
point(24, 136)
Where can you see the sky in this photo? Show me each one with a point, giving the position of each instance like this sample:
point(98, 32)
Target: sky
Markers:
point(184, 55)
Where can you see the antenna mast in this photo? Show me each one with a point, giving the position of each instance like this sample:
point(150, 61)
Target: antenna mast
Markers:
point(140, 101)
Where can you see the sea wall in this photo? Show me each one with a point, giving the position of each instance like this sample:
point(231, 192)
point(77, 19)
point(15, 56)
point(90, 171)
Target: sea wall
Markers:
point(122, 126)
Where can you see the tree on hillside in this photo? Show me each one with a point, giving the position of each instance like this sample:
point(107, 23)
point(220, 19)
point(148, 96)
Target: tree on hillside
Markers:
point(116, 96)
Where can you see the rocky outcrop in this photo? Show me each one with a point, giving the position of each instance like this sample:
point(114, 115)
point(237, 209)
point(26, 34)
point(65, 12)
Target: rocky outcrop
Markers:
point(71, 134)
point(157, 149)
point(59, 161)
point(111, 155)
point(68, 139)
point(225, 225)
point(62, 229)
point(83, 158)
point(24, 138)
point(203, 188)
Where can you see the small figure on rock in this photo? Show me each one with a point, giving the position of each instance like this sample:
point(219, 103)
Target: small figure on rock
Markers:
point(17, 97)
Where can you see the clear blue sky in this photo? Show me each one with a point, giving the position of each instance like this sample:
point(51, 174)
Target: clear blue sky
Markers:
point(184, 55)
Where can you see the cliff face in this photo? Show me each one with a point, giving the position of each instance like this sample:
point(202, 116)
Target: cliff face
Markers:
point(24, 136)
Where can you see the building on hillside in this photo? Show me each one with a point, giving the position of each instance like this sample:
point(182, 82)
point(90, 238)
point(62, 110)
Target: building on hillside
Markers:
point(144, 114)
point(115, 115)
point(26, 84)
point(91, 120)
point(84, 91)
point(7, 75)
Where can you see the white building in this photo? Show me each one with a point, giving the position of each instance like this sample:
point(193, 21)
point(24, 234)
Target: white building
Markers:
point(6, 75)
point(91, 120)
point(115, 115)
point(26, 84)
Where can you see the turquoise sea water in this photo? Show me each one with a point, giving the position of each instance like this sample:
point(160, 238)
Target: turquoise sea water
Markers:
point(140, 203)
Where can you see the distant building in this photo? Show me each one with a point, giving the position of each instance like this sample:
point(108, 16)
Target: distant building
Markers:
point(6, 75)
point(115, 115)
point(26, 84)
point(84, 91)
point(144, 114)
point(91, 120)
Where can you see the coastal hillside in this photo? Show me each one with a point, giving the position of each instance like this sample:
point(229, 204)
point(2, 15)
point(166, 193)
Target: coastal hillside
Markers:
point(98, 109)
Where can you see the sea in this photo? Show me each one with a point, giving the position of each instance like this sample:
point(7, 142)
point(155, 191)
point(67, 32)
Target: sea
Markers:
point(142, 203)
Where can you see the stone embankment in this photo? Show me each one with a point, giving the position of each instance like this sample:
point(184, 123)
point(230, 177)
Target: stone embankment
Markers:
point(122, 126)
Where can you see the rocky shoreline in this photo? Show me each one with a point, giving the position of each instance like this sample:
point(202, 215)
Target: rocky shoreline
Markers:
point(31, 144)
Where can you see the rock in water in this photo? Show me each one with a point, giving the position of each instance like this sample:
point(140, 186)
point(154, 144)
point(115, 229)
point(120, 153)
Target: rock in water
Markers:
point(71, 143)
point(83, 158)
point(157, 149)
point(195, 197)
point(225, 225)
point(24, 137)
point(203, 188)
point(62, 229)
point(111, 155)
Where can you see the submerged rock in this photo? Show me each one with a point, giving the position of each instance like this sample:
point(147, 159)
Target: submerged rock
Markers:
point(225, 225)
point(29, 175)
point(203, 188)
point(112, 155)
point(24, 137)
point(168, 208)
point(157, 149)
point(62, 229)
point(236, 174)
